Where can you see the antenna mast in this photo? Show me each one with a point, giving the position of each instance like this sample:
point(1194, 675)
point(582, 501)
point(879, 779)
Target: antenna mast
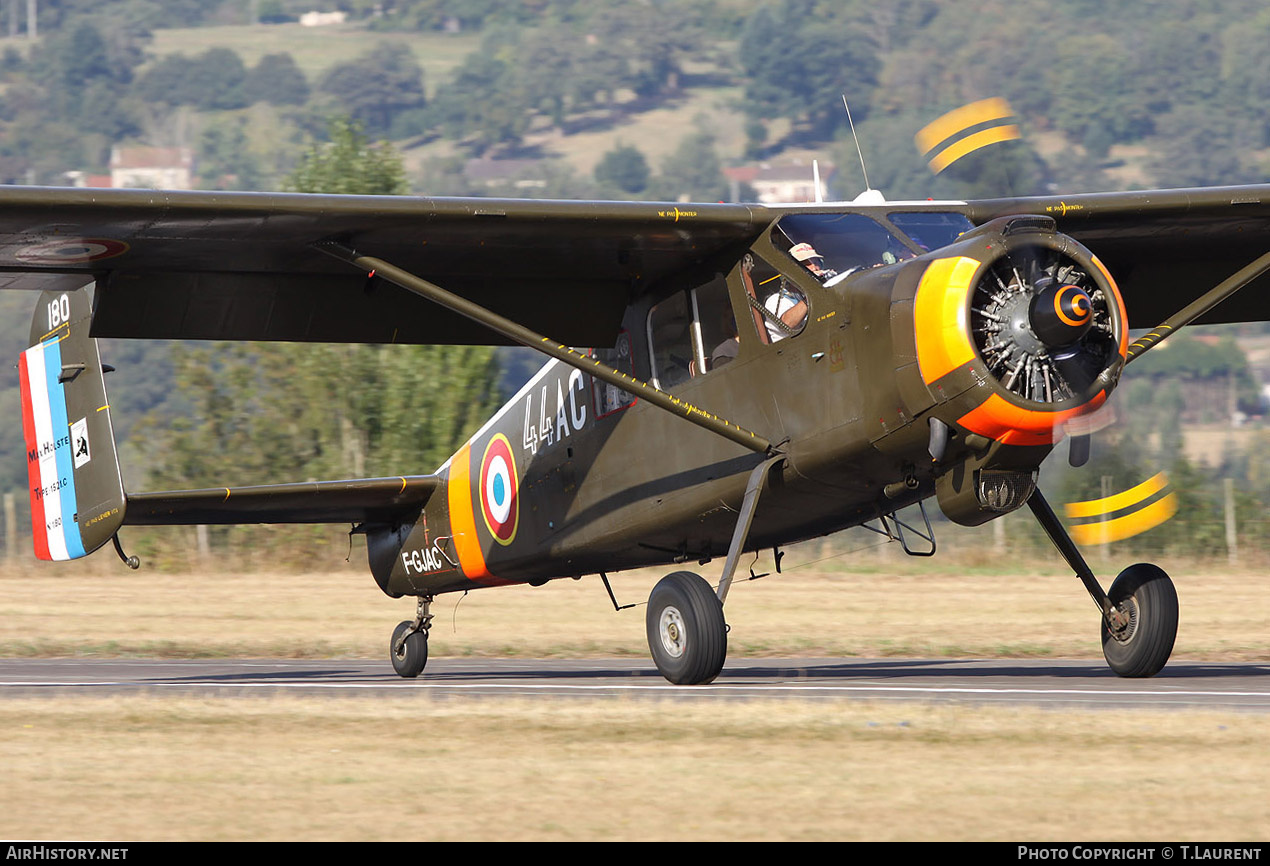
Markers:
point(857, 142)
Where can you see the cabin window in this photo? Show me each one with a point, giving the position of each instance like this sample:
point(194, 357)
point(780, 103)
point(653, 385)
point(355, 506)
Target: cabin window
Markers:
point(716, 325)
point(691, 333)
point(610, 398)
point(930, 231)
point(670, 341)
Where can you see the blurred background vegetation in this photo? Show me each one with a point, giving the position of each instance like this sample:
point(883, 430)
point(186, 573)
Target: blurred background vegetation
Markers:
point(638, 99)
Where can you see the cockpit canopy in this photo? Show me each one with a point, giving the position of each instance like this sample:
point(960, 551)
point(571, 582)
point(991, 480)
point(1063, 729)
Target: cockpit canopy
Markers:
point(833, 246)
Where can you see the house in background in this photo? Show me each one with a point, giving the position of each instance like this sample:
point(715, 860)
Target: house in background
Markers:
point(785, 183)
point(84, 179)
point(152, 167)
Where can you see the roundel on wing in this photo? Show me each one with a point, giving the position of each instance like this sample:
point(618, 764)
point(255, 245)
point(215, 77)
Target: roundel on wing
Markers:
point(65, 252)
point(499, 502)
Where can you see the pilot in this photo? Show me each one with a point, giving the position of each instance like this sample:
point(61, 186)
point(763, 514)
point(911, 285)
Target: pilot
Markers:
point(788, 306)
point(812, 261)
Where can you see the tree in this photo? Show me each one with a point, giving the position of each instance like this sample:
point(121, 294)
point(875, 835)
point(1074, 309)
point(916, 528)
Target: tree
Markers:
point(1084, 107)
point(377, 87)
point(483, 104)
point(349, 164)
point(277, 80)
point(693, 171)
point(412, 404)
point(623, 167)
point(271, 412)
point(224, 160)
point(798, 66)
point(213, 80)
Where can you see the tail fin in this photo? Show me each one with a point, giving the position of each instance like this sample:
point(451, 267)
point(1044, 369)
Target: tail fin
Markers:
point(77, 498)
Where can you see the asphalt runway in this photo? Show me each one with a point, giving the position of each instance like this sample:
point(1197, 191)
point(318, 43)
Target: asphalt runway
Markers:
point(1218, 686)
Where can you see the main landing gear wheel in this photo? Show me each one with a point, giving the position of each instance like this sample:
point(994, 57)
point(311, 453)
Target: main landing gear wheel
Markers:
point(1146, 599)
point(686, 631)
point(409, 655)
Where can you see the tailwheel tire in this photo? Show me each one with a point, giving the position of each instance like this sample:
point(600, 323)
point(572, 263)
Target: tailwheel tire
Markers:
point(408, 661)
point(686, 631)
point(1144, 594)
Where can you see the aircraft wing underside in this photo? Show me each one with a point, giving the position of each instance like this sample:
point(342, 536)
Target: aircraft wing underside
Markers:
point(245, 266)
point(364, 500)
point(249, 266)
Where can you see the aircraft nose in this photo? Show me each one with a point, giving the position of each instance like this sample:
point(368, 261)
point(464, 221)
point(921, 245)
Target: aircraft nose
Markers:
point(1060, 314)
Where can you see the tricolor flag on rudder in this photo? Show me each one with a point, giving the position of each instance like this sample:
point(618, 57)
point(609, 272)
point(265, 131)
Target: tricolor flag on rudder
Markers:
point(77, 497)
point(49, 452)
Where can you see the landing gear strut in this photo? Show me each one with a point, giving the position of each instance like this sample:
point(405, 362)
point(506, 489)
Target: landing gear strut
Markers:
point(409, 646)
point(687, 634)
point(1139, 615)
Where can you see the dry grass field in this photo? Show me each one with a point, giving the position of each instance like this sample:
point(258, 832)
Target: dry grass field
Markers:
point(876, 602)
point(420, 767)
point(141, 768)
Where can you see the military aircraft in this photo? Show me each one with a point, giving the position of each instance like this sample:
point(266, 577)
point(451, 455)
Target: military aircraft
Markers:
point(723, 378)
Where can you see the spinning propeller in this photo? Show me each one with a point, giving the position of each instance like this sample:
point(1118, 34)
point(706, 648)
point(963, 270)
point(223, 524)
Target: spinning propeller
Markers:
point(1042, 323)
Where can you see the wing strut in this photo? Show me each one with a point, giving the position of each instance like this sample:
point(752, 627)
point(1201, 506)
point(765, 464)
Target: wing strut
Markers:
point(534, 340)
point(1200, 305)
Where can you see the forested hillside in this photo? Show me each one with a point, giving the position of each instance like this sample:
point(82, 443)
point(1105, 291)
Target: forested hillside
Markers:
point(1147, 93)
point(638, 99)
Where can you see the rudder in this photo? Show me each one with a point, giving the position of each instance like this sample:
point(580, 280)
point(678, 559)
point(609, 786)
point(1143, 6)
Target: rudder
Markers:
point(77, 497)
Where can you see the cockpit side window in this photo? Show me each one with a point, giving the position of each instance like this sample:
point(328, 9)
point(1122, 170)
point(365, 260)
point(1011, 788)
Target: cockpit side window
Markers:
point(778, 305)
point(931, 230)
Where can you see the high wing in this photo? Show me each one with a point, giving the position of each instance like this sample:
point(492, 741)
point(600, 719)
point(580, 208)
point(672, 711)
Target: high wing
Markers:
point(244, 266)
point(1165, 247)
point(247, 266)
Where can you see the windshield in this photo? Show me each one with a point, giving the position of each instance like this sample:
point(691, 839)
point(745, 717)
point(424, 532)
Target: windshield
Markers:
point(931, 231)
point(832, 246)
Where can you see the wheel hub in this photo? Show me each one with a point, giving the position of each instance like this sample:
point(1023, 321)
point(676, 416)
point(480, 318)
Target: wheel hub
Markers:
point(1125, 623)
point(672, 632)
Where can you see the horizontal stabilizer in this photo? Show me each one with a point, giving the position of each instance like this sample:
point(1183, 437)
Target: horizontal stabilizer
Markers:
point(361, 500)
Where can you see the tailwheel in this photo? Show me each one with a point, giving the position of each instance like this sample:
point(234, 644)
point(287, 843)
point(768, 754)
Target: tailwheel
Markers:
point(409, 647)
point(686, 631)
point(409, 650)
point(1140, 641)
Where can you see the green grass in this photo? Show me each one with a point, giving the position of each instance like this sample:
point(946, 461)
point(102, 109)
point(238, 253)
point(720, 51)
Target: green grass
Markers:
point(316, 49)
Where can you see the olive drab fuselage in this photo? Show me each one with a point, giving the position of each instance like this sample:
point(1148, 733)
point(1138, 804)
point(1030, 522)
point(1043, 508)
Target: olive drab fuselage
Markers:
point(573, 476)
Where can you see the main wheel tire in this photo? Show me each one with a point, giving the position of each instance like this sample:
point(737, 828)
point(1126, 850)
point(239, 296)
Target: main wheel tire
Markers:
point(409, 661)
point(687, 634)
point(1145, 594)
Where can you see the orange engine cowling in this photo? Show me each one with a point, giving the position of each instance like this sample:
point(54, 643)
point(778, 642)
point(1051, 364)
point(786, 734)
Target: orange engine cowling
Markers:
point(1018, 330)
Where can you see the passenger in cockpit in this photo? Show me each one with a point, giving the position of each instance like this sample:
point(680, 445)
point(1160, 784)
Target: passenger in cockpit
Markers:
point(812, 261)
